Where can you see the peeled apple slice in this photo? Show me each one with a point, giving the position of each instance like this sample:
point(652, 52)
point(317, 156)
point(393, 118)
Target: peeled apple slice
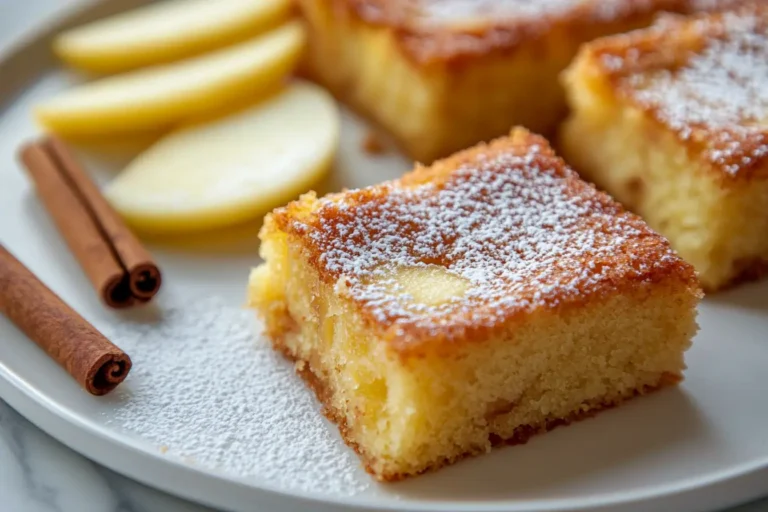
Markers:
point(158, 97)
point(233, 169)
point(166, 31)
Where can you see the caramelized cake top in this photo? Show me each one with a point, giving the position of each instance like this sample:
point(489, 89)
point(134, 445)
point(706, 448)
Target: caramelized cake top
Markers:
point(705, 79)
point(458, 249)
point(447, 30)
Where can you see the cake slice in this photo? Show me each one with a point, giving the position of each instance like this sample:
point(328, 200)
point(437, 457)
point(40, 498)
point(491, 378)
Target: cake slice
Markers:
point(442, 75)
point(484, 299)
point(673, 122)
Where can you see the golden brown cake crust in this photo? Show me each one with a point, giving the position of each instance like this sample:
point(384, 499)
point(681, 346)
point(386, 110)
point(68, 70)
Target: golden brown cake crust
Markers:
point(451, 30)
point(509, 218)
point(705, 79)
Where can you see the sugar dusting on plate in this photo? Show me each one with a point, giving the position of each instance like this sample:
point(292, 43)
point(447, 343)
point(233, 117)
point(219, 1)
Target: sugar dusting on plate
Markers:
point(206, 388)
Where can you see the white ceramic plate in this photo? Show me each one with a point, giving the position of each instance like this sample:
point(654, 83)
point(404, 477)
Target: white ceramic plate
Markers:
point(700, 447)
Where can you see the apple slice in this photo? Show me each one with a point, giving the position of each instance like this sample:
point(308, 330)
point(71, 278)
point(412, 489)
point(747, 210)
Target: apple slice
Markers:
point(166, 31)
point(161, 96)
point(233, 169)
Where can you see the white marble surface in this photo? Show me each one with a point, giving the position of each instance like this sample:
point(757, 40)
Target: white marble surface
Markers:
point(39, 474)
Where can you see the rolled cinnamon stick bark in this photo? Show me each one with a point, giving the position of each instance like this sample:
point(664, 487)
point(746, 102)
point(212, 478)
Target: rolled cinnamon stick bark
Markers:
point(77, 227)
point(116, 263)
point(143, 275)
point(95, 362)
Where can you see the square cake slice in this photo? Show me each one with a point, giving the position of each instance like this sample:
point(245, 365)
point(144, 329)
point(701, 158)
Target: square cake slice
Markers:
point(489, 297)
point(442, 75)
point(673, 122)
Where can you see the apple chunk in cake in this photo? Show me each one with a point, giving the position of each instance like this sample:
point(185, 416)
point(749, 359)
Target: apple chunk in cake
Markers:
point(673, 122)
point(486, 298)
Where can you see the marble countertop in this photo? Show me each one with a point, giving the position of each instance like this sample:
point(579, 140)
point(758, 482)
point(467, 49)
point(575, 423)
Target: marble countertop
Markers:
point(39, 474)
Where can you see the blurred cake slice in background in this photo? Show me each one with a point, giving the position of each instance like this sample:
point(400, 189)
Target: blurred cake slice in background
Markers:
point(444, 75)
point(673, 122)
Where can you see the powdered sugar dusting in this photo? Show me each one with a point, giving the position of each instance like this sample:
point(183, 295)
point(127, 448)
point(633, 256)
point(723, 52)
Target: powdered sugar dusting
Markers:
point(523, 230)
point(719, 97)
point(205, 389)
point(447, 11)
point(440, 12)
point(447, 29)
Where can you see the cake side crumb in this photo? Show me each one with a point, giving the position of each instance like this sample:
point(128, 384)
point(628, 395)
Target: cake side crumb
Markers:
point(521, 434)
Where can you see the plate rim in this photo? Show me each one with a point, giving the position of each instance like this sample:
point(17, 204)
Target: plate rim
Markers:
point(55, 420)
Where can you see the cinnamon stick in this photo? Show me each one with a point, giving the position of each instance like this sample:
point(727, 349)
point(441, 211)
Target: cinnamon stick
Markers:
point(118, 266)
point(95, 363)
